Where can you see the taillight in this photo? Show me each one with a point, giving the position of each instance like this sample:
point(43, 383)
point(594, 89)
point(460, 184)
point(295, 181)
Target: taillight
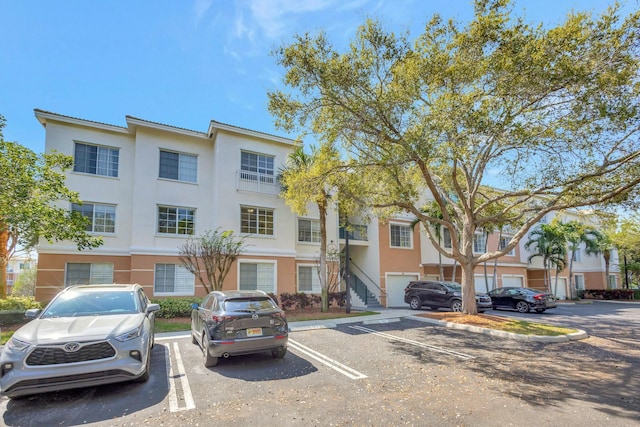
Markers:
point(539, 296)
point(220, 319)
point(282, 314)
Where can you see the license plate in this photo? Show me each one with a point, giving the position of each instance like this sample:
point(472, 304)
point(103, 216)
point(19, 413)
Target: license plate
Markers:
point(254, 332)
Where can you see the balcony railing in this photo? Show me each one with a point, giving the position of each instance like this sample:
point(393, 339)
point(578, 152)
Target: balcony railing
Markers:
point(257, 182)
point(356, 232)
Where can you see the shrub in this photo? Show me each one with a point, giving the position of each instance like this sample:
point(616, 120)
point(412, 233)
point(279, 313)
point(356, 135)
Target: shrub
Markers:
point(337, 299)
point(19, 303)
point(618, 294)
point(175, 307)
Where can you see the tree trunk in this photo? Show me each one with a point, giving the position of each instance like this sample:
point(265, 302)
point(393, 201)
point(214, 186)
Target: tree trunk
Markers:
point(4, 261)
point(322, 208)
point(468, 266)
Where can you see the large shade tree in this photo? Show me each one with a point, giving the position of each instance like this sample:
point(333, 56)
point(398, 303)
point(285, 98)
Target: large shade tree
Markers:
point(555, 109)
point(31, 189)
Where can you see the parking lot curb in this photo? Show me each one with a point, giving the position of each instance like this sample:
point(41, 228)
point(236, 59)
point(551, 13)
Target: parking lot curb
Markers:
point(580, 335)
point(298, 328)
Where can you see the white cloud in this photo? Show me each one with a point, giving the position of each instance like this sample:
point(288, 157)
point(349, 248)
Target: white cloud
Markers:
point(201, 7)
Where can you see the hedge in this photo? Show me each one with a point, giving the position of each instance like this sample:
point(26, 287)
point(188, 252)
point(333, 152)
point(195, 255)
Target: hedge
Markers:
point(609, 294)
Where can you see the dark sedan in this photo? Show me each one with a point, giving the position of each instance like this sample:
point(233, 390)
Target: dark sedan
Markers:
point(230, 323)
point(522, 299)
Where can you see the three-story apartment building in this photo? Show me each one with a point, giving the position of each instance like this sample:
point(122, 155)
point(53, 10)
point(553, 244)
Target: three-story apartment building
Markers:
point(146, 187)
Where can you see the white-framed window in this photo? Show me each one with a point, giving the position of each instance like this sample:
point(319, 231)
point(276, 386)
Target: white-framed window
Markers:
point(176, 220)
point(400, 236)
point(479, 243)
point(612, 281)
point(257, 276)
point(504, 242)
point(95, 159)
point(446, 238)
point(178, 166)
point(102, 217)
point(579, 281)
point(173, 279)
point(257, 166)
point(577, 255)
point(308, 230)
point(256, 220)
point(84, 273)
point(308, 279)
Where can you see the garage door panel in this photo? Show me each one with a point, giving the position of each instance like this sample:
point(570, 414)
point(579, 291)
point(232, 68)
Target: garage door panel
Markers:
point(396, 283)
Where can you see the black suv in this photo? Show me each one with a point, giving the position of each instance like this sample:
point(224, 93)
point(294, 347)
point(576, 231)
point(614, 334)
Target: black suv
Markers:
point(440, 295)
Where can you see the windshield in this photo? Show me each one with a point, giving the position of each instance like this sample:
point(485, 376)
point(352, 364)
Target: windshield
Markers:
point(249, 304)
point(76, 304)
point(453, 285)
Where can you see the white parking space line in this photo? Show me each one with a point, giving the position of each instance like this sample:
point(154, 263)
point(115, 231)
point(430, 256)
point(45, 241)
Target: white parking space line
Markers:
point(416, 343)
point(184, 382)
point(333, 364)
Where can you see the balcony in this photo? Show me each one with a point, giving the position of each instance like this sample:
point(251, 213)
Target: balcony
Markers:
point(357, 234)
point(257, 182)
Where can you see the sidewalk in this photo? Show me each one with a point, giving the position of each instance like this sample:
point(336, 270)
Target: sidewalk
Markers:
point(385, 315)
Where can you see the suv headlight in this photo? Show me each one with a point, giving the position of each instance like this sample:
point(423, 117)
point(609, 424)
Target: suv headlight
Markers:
point(16, 344)
point(134, 333)
point(457, 294)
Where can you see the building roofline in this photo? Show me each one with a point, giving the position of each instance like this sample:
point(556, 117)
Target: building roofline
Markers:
point(43, 116)
point(134, 122)
point(216, 126)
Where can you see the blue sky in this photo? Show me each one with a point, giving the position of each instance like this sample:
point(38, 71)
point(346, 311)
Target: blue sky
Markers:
point(184, 62)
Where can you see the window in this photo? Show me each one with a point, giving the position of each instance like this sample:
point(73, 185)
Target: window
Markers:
point(613, 281)
point(400, 236)
point(179, 166)
point(308, 230)
point(504, 241)
point(172, 220)
point(446, 238)
point(577, 255)
point(579, 279)
point(94, 159)
point(172, 279)
point(308, 279)
point(257, 276)
point(260, 164)
point(102, 218)
point(479, 243)
point(256, 221)
point(88, 274)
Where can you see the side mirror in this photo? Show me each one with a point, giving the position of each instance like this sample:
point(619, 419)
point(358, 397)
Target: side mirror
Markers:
point(153, 307)
point(32, 313)
point(195, 305)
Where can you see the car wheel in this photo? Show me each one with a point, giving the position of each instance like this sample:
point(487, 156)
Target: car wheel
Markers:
point(456, 305)
point(209, 361)
point(415, 303)
point(495, 307)
point(279, 354)
point(480, 311)
point(147, 369)
point(194, 340)
point(522, 307)
point(539, 310)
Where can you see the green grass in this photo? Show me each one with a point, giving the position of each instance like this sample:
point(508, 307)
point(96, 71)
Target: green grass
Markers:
point(527, 328)
point(4, 337)
point(299, 317)
point(163, 325)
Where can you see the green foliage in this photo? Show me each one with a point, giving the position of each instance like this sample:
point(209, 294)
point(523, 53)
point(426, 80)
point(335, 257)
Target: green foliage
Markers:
point(555, 109)
point(175, 307)
point(25, 285)
point(18, 303)
point(30, 187)
point(608, 294)
point(300, 300)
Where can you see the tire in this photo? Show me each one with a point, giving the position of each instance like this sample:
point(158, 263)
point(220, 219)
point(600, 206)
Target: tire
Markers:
point(540, 310)
point(456, 305)
point(279, 354)
point(495, 307)
point(209, 360)
point(147, 369)
point(415, 303)
point(194, 340)
point(523, 307)
point(480, 311)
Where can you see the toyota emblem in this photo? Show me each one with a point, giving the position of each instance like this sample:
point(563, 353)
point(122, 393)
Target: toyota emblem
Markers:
point(254, 316)
point(71, 347)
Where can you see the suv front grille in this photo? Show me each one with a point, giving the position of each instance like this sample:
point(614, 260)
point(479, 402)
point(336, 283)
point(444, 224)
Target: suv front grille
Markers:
point(56, 355)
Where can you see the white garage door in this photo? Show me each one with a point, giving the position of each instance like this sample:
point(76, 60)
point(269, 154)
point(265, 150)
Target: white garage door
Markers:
point(515, 281)
point(395, 288)
point(481, 283)
point(562, 287)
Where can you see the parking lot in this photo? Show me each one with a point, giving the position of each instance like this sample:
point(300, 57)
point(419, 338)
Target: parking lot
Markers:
point(396, 372)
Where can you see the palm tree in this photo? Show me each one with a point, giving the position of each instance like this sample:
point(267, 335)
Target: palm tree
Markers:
point(308, 178)
point(547, 242)
point(598, 243)
point(575, 233)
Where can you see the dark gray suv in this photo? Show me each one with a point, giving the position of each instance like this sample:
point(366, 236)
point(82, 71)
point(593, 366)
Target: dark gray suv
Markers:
point(230, 323)
point(436, 295)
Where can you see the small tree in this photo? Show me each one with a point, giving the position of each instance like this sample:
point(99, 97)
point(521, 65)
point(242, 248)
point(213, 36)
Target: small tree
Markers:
point(213, 251)
point(25, 284)
point(30, 185)
point(547, 242)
